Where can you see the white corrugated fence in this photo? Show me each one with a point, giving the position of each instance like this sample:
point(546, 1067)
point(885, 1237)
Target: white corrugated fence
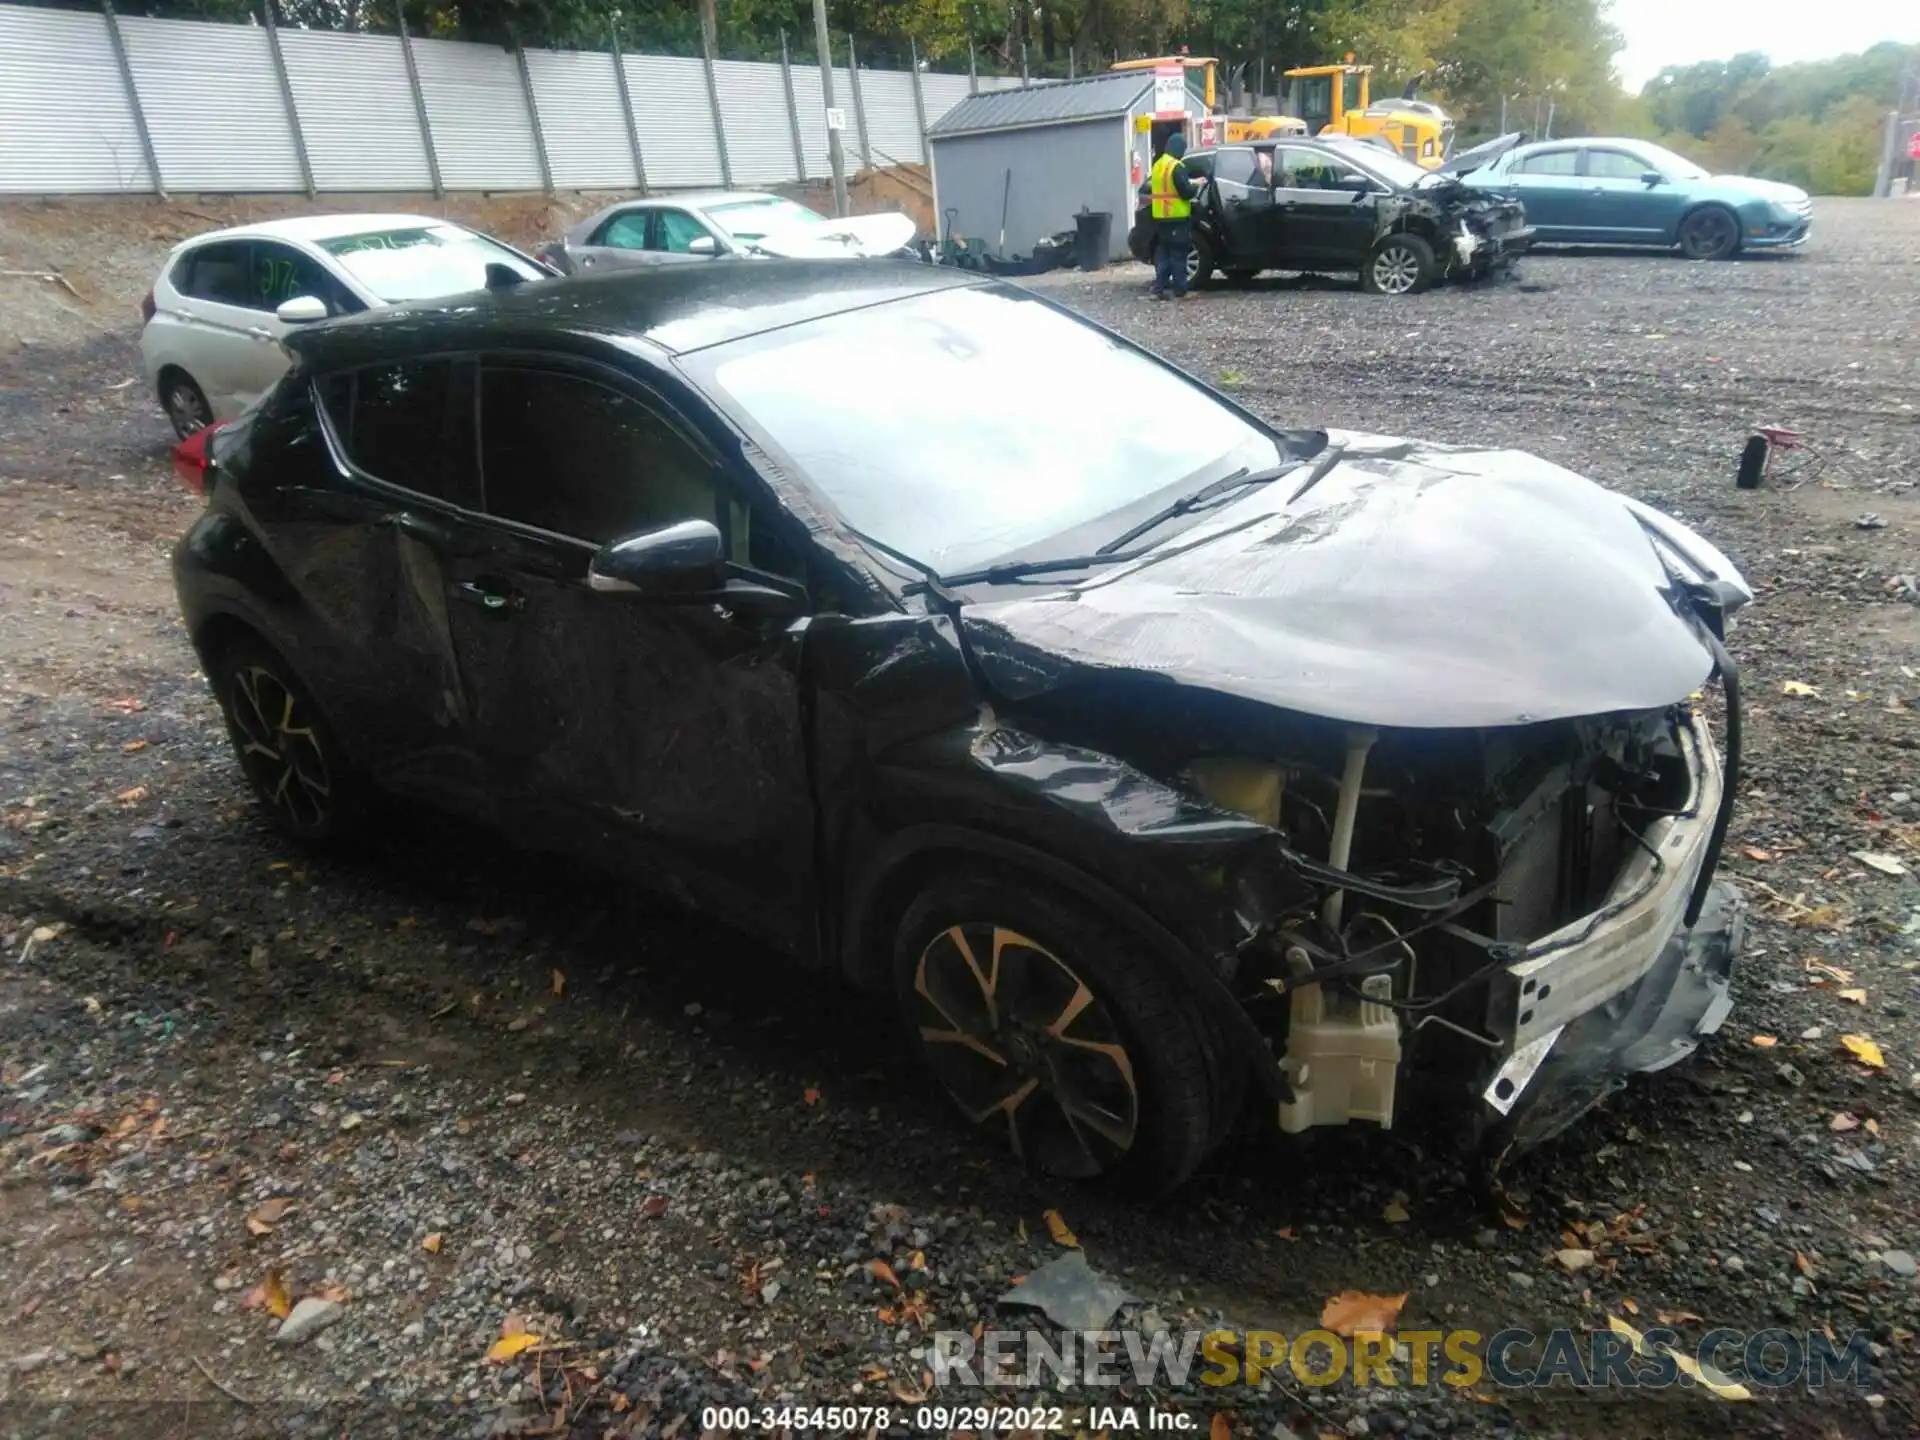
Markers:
point(104, 104)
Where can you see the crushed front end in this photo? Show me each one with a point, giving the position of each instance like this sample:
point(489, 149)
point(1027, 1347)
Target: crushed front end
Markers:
point(1520, 917)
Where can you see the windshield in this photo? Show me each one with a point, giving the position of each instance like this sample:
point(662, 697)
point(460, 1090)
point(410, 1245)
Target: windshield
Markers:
point(966, 425)
point(754, 219)
point(1674, 167)
point(419, 263)
point(1385, 163)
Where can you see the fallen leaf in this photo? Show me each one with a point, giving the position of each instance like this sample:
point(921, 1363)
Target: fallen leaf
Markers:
point(1057, 1227)
point(1821, 967)
point(1220, 1427)
point(1676, 1317)
point(1843, 1122)
point(1754, 852)
point(907, 1392)
point(619, 1403)
point(559, 983)
point(917, 1260)
point(133, 796)
point(811, 1095)
point(1708, 1378)
point(653, 1207)
point(269, 1213)
point(338, 1294)
point(508, 1346)
point(1574, 1260)
point(1876, 860)
point(1354, 1310)
point(1864, 1050)
point(269, 1295)
point(1627, 1304)
point(883, 1271)
point(872, 1374)
point(1285, 1232)
point(1803, 1265)
point(1856, 997)
point(1798, 687)
point(433, 1243)
point(1766, 1042)
point(514, 1324)
point(1873, 1128)
point(1396, 1212)
point(133, 747)
point(886, 1316)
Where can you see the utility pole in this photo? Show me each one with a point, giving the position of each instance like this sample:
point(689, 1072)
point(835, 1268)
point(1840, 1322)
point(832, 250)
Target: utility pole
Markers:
point(835, 157)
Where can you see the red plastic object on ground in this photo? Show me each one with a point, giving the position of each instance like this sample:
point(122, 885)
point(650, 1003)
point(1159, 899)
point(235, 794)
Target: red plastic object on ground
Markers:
point(190, 460)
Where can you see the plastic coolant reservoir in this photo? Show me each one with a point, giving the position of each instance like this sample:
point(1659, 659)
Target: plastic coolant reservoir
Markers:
point(1246, 787)
point(1342, 1057)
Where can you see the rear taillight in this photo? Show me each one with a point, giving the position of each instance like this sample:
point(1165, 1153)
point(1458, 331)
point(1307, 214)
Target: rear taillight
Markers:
point(146, 307)
point(193, 461)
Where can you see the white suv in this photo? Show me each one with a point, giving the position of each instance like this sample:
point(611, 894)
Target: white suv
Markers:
point(215, 316)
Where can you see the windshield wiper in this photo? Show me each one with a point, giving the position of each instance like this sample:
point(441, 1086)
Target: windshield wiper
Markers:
point(1241, 479)
point(929, 580)
point(1020, 569)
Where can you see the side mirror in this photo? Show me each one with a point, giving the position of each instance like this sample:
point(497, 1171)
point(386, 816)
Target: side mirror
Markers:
point(676, 561)
point(704, 245)
point(301, 310)
point(1651, 178)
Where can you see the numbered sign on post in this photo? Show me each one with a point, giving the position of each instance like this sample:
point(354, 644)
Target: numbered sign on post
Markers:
point(836, 119)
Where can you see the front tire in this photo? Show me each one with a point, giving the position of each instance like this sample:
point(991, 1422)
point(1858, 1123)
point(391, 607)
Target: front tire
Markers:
point(285, 747)
point(1200, 262)
point(1399, 265)
point(1710, 233)
point(1049, 1026)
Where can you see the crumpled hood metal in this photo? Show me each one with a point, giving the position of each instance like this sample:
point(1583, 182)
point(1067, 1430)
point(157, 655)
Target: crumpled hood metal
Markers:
point(1415, 585)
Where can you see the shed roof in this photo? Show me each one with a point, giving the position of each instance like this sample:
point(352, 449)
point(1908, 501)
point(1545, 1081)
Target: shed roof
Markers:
point(1048, 102)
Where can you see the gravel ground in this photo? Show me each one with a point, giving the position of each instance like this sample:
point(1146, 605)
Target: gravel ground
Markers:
point(442, 1095)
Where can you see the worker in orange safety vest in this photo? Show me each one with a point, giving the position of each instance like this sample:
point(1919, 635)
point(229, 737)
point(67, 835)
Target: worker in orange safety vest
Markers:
point(1172, 190)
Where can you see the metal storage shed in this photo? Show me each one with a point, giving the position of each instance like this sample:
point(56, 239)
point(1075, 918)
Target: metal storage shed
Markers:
point(1046, 152)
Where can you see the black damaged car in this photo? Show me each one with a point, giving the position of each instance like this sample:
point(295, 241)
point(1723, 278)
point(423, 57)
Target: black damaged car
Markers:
point(1161, 765)
point(1343, 204)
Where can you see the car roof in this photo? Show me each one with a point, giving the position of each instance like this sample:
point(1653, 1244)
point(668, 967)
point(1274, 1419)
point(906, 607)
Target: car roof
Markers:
point(697, 199)
point(674, 308)
point(313, 228)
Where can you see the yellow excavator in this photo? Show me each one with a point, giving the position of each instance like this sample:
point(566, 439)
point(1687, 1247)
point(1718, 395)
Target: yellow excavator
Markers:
point(1232, 130)
point(1337, 100)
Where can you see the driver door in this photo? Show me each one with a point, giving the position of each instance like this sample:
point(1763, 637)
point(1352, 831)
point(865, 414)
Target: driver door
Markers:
point(1624, 206)
point(1329, 210)
point(1243, 192)
point(619, 243)
point(663, 735)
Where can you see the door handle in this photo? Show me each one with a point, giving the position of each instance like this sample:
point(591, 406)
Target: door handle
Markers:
point(493, 601)
point(260, 332)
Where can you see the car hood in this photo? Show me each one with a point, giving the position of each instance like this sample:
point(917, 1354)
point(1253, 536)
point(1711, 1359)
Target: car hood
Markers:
point(855, 236)
point(1764, 189)
point(1477, 157)
point(1414, 585)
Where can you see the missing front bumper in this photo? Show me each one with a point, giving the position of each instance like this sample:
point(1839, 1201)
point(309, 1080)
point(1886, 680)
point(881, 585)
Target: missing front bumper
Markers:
point(1657, 1021)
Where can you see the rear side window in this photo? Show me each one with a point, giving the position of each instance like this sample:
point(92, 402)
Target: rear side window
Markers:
point(221, 273)
point(1552, 162)
point(624, 232)
point(398, 423)
point(1237, 167)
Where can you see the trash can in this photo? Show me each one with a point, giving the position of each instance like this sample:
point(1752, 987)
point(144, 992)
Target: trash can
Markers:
point(1093, 229)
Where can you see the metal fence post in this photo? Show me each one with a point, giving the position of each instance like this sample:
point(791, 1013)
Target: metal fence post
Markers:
point(1023, 64)
point(793, 110)
point(859, 108)
point(919, 100)
point(973, 71)
point(419, 103)
point(133, 98)
point(533, 115)
point(713, 101)
point(626, 113)
point(286, 98)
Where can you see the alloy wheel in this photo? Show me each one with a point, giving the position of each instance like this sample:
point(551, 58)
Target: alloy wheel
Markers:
point(1018, 1039)
point(1709, 235)
point(1193, 266)
point(187, 408)
point(280, 749)
point(1396, 270)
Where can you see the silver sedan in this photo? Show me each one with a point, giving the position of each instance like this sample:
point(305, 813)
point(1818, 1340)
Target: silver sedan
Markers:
point(711, 224)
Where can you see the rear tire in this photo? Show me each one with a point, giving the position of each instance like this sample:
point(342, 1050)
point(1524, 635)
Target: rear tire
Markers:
point(293, 764)
point(185, 403)
point(1050, 1026)
point(1710, 233)
point(1401, 264)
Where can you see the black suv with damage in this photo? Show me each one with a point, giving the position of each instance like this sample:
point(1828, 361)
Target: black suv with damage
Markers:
point(1157, 762)
point(1343, 204)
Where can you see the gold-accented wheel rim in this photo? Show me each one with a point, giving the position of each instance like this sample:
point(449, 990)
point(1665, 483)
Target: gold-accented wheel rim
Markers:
point(279, 749)
point(1017, 1038)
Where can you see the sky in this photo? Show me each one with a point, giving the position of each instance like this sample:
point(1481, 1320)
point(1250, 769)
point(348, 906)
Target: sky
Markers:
point(1679, 32)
